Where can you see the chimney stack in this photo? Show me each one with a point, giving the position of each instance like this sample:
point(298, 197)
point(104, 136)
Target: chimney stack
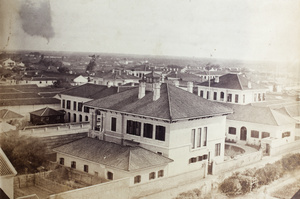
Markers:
point(142, 90)
point(176, 83)
point(217, 79)
point(190, 87)
point(156, 91)
point(249, 84)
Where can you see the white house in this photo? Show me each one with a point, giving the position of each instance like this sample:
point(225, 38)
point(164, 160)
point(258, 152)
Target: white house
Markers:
point(250, 124)
point(80, 80)
point(162, 119)
point(72, 100)
point(114, 78)
point(232, 88)
point(9, 63)
point(7, 173)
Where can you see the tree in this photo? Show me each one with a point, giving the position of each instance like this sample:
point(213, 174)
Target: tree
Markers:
point(25, 153)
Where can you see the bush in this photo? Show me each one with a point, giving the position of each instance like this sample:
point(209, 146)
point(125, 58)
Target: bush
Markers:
point(193, 194)
point(268, 174)
point(291, 162)
point(231, 186)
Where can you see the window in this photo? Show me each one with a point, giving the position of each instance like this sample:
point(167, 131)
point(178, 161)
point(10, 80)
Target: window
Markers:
point(160, 173)
point(63, 103)
point(73, 164)
point(264, 97)
point(229, 97)
point(86, 168)
point(113, 124)
point(207, 95)
point(205, 136)
point(137, 179)
point(222, 96)
point(200, 158)
point(160, 133)
point(80, 118)
point(74, 106)
point(218, 149)
point(86, 118)
point(265, 134)
point(193, 136)
point(236, 98)
point(255, 97)
point(259, 97)
point(201, 93)
point(68, 104)
point(215, 95)
point(192, 160)
point(80, 104)
point(133, 127)
point(148, 130)
point(61, 161)
point(204, 157)
point(232, 131)
point(254, 134)
point(110, 175)
point(151, 175)
point(199, 137)
point(74, 117)
point(286, 134)
point(86, 109)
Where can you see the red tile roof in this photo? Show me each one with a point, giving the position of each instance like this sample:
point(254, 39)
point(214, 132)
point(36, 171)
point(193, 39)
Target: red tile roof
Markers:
point(117, 156)
point(173, 104)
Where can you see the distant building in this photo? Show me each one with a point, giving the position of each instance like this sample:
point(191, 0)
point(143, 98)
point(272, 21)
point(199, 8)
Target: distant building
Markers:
point(9, 63)
point(232, 88)
point(114, 78)
point(72, 100)
point(46, 116)
point(7, 173)
point(159, 118)
point(80, 80)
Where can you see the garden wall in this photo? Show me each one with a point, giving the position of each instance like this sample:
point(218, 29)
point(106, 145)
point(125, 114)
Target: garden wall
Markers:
point(286, 148)
point(239, 161)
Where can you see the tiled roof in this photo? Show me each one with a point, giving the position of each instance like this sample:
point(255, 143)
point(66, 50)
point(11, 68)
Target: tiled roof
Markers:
point(293, 110)
point(173, 104)
point(114, 155)
point(7, 114)
point(232, 81)
point(6, 167)
point(18, 95)
point(184, 76)
point(259, 115)
point(115, 75)
point(93, 91)
point(35, 101)
point(46, 112)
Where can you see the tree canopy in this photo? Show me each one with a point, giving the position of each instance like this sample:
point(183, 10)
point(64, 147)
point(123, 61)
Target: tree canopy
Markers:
point(25, 153)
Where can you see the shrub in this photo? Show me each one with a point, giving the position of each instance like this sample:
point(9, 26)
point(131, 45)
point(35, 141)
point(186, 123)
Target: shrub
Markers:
point(231, 186)
point(290, 162)
point(268, 174)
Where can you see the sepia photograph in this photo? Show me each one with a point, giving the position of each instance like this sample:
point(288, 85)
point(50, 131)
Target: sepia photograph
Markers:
point(149, 99)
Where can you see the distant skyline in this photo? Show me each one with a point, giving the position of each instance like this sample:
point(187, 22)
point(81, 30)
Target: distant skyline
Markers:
point(230, 29)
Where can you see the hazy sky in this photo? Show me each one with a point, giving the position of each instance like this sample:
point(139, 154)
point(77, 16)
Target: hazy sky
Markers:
point(258, 30)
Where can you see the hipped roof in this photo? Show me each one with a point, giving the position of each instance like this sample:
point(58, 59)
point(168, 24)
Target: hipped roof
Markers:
point(125, 158)
point(46, 112)
point(173, 104)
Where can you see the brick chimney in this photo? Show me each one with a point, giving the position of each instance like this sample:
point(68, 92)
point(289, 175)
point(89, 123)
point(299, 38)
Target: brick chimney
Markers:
point(190, 87)
point(142, 90)
point(156, 91)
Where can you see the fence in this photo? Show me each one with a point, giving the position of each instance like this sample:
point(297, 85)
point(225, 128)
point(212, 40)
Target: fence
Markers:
point(236, 163)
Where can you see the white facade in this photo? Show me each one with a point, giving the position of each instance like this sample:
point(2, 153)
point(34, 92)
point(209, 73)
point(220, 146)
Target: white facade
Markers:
point(241, 97)
point(74, 113)
point(179, 142)
point(253, 133)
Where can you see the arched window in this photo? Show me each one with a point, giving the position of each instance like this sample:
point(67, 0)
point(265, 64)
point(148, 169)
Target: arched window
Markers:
point(110, 175)
point(74, 117)
point(222, 96)
point(80, 118)
point(86, 118)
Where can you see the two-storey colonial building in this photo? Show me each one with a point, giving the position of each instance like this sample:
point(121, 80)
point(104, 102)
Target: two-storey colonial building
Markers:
point(232, 88)
point(165, 120)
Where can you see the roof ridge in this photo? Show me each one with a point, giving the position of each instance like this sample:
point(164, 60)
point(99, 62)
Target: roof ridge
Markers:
point(272, 113)
point(169, 101)
point(5, 113)
point(240, 81)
